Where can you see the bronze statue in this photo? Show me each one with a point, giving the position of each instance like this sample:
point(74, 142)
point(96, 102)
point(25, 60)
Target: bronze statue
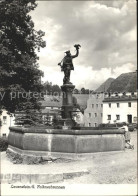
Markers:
point(67, 64)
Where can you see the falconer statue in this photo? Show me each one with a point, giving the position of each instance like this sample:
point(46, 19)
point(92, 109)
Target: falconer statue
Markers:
point(67, 65)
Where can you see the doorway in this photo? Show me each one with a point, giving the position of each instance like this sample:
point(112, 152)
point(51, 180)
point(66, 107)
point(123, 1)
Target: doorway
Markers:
point(129, 118)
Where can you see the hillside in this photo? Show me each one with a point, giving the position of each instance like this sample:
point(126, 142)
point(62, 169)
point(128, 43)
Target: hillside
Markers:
point(105, 85)
point(125, 82)
point(53, 101)
point(82, 100)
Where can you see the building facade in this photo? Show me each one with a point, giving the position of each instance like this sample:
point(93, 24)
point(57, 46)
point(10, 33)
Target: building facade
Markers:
point(6, 120)
point(51, 107)
point(119, 108)
point(93, 114)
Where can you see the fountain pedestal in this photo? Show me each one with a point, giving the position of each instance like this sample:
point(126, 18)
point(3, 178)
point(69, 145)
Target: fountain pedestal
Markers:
point(67, 104)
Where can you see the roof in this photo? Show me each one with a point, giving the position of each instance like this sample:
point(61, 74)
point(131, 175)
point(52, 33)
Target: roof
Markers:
point(120, 98)
point(49, 111)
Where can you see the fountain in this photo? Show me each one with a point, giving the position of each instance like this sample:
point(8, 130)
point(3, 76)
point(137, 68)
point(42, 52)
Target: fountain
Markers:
point(37, 144)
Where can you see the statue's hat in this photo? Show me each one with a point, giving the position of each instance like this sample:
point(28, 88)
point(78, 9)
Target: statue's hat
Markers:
point(68, 51)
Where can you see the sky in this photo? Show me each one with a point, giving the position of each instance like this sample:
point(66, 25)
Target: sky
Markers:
point(106, 31)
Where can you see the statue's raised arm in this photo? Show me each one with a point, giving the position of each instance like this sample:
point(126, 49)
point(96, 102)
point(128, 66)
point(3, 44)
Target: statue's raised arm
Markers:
point(77, 46)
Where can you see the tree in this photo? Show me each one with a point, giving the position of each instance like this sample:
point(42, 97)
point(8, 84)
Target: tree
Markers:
point(76, 91)
point(56, 90)
point(19, 43)
point(87, 91)
point(47, 87)
point(83, 90)
point(51, 89)
point(30, 117)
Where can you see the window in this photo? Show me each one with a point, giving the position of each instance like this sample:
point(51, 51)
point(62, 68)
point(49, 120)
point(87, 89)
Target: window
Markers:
point(109, 117)
point(101, 105)
point(4, 119)
point(129, 118)
point(97, 105)
point(118, 105)
point(89, 114)
point(95, 124)
point(95, 114)
point(129, 104)
point(109, 105)
point(117, 117)
point(92, 105)
point(101, 114)
point(4, 134)
point(89, 124)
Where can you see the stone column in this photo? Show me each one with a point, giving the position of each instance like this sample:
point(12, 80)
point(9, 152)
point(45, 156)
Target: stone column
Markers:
point(67, 104)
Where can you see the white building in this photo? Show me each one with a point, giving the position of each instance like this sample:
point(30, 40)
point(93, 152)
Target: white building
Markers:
point(6, 121)
point(120, 108)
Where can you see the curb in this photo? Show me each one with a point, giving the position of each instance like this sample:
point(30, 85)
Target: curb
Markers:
point(40, 178)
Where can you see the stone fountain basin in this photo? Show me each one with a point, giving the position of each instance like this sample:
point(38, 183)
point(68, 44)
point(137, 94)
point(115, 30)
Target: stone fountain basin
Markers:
point(58, 143)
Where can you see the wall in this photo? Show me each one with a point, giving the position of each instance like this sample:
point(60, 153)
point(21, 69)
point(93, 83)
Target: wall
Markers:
point(58, 143)
point(89, 114)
